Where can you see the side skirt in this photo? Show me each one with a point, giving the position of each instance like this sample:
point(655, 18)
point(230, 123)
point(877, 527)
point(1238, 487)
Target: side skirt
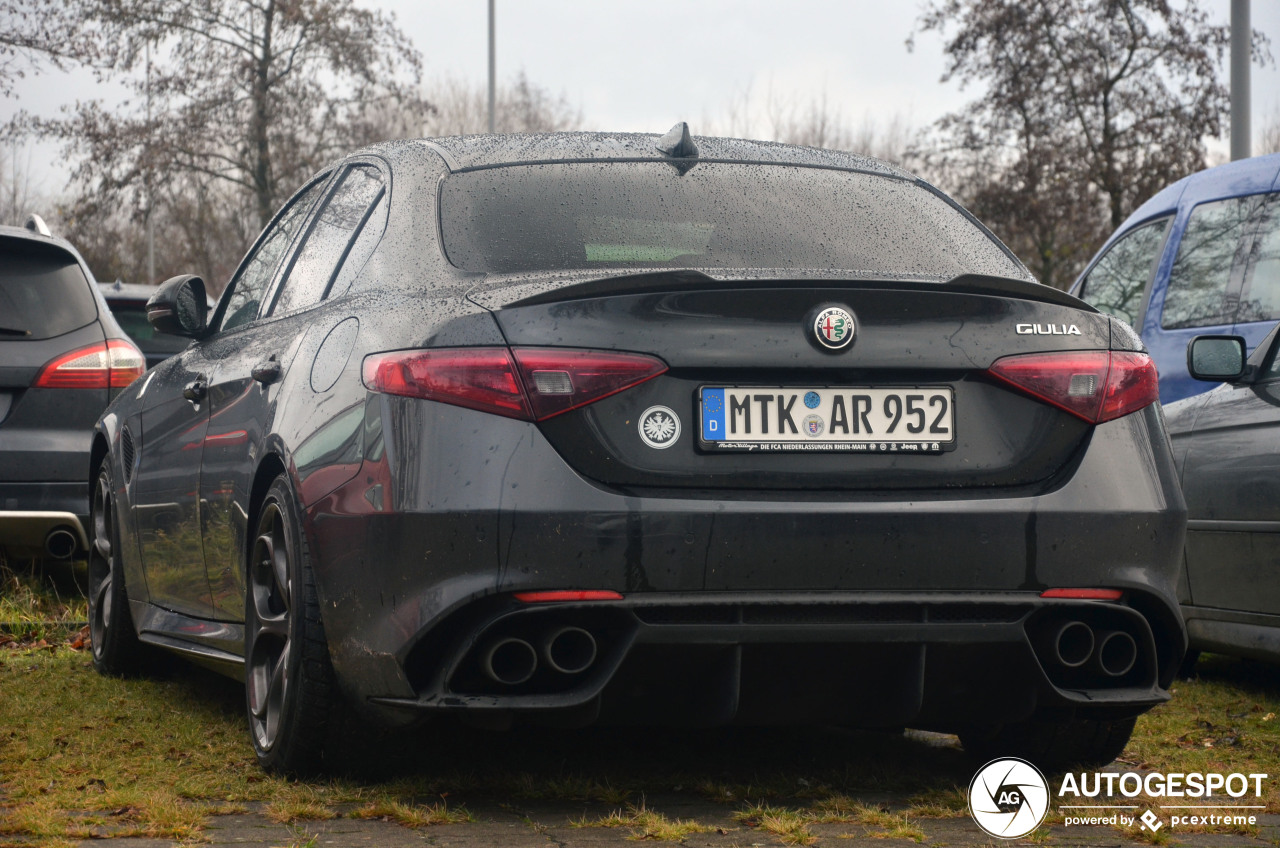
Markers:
point(217, 645)
point(1251, 635)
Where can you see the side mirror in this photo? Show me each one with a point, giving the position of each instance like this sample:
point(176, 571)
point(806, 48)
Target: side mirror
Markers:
point(179, 307)
point(1216, 358)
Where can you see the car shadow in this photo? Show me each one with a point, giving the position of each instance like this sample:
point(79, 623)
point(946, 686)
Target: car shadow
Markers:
point(611, 764)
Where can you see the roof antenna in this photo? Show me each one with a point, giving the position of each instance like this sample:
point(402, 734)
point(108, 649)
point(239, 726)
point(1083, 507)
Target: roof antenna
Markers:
point(678, 142)
point(36, 224)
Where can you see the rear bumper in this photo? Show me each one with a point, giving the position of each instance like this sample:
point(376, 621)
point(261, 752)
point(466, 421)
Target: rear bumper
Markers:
point(419, 550)
point(30, 511)
point(942, 660)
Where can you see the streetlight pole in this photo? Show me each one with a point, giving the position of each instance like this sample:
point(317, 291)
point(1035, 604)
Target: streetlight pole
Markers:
point(151, 226)
point(1241, 42)
point(491, 66)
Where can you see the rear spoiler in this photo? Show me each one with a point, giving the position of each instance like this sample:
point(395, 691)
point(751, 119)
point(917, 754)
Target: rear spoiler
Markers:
point(530, 289)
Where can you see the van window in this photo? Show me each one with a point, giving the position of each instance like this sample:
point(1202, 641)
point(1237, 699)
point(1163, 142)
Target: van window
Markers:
point(1260, 299)
point(1116, 283)
point(1199, 292)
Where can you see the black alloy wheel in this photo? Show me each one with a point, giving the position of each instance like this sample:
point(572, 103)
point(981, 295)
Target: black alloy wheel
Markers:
point(289, 689)
point(115, 645)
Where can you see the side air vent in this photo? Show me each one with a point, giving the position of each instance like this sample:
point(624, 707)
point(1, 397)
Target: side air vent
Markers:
point(126, 454)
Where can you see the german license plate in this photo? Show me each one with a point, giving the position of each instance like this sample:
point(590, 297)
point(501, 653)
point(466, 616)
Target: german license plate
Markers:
point(884, 419)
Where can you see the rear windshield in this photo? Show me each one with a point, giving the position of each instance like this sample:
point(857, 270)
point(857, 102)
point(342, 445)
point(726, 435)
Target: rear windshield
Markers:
point(544, 217)
point(131, 315)
point(43, 292)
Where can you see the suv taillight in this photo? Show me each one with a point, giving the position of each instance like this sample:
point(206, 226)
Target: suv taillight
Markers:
point(112, 364)
point(532, 384)
point(1096, 385)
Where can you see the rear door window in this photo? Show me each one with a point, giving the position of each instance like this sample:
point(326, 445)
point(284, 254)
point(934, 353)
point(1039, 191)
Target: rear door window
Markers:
point(1201, 290)
point(256, 272)
point(43, 291)
point(332, 232)
point(1117, 282)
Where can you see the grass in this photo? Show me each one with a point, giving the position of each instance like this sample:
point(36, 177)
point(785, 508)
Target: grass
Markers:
point(1222, 720)
point(412, 815)
point(85, 756)
point(647, 824)
point(39, 603)
point(791, 826)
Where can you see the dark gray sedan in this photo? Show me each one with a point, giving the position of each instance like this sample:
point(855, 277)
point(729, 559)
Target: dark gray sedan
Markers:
point(626, 428)
point(1227, 445)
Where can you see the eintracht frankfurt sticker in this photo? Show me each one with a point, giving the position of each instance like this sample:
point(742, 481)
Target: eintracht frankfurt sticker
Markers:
point(659, 427)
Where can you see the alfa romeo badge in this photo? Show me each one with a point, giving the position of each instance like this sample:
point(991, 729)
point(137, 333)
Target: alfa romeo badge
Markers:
point(834, 328)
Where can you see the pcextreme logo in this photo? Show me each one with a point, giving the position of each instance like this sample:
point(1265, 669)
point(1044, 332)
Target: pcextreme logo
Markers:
point(1009, 798)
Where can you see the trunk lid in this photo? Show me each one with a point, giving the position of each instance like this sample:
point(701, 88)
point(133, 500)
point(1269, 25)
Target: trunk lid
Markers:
point(925, 338)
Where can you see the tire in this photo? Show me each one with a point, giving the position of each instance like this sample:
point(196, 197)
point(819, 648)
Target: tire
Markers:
point(1052, 745)
point(291, 698)
point(115, 646)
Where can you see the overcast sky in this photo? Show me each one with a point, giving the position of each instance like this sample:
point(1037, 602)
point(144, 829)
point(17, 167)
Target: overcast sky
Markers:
point(632, 65)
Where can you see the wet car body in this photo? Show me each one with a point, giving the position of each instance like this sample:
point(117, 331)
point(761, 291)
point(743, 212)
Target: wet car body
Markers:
point(469, 560)
point(1225, 446)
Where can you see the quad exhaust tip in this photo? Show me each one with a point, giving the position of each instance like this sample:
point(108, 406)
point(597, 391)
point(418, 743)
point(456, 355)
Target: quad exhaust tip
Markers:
point(60, 543)
point(510, 661)
point(569, 650)
point(1117, 652)
point(1073, 644)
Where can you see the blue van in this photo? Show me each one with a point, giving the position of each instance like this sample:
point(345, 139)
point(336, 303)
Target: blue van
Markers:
point(1202, 256)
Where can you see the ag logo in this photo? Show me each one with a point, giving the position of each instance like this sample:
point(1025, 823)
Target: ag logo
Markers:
point(1008, 798)
point(659, 427)
point(834, 328)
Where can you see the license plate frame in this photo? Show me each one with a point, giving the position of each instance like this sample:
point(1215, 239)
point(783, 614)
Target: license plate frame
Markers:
point(871, 430)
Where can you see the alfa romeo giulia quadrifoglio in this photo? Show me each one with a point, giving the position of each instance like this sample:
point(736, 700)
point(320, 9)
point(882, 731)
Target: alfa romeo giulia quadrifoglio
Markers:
point(633, 428)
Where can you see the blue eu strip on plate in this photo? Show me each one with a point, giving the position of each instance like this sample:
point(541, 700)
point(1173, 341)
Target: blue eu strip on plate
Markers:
point(713, 414)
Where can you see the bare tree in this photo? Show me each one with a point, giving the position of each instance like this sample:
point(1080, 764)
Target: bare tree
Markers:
point(1092, 103)
point(39, 33)
point(253, 93)
point(812, 122)
point(1269, 139)
point(19, 194)
point(461, 107)
point(203, 226)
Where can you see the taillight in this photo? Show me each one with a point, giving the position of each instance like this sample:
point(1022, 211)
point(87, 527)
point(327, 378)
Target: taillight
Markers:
point(560, 380)
point(527, 383)
point(112, 364)
point(1096, 385)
